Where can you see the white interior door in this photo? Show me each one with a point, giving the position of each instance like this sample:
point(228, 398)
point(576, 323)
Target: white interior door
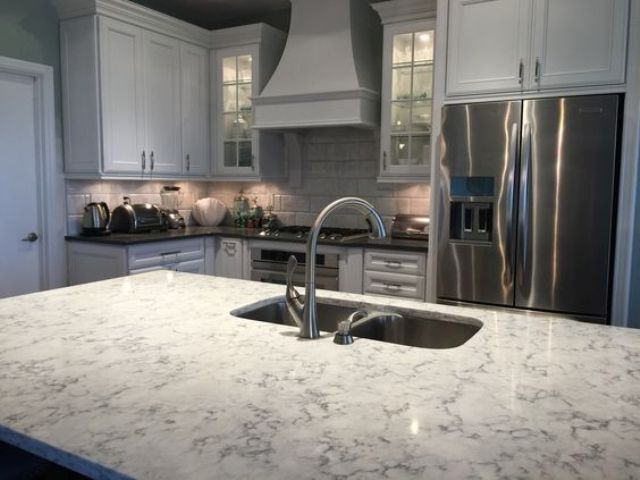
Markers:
point(20, 261)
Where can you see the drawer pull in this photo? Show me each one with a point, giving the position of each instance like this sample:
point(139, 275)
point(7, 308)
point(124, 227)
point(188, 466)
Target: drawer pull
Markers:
point(393, 287)
point(170, 253)
point(393, 264)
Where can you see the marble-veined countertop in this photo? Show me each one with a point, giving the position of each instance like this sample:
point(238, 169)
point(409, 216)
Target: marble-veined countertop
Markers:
point(150, 377)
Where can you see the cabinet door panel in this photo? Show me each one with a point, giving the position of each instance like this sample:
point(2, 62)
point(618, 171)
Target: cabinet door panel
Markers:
point(162, 103)
point(579, 42)
point(488, 41)
point(194, 65)
point(407, 94)
point(235, 83)
point(123, 125)
point(229, 258)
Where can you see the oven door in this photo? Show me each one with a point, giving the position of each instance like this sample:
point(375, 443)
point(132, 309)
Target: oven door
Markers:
point(326, 280)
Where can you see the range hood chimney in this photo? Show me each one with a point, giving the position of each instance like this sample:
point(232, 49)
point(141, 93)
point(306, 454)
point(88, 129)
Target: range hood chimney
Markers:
point(329, 73)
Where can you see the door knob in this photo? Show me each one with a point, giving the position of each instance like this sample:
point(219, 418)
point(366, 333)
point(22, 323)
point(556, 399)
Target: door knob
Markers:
point(32, 237)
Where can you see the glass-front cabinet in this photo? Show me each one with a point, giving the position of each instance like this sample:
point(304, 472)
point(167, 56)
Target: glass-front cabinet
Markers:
point(236, 141)
point(407, 83)
point(244, 60)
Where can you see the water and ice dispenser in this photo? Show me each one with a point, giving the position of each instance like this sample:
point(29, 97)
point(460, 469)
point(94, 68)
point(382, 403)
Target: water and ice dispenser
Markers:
point(471, 209)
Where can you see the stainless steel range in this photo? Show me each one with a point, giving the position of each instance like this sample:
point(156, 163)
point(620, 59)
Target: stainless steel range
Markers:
point(269, 259)
point(270, 264)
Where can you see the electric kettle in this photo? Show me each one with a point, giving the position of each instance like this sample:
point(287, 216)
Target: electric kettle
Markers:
point(95, 220)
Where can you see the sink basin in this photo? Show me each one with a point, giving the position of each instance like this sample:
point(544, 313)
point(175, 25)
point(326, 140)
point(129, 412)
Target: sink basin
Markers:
point(329, 315)
point(415, 328)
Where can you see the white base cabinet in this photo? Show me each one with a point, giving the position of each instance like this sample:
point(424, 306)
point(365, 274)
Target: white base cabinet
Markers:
point(395, 274)
point(232, 258)
point(90, 262)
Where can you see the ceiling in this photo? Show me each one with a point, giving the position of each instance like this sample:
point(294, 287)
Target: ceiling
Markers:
point(212, 14)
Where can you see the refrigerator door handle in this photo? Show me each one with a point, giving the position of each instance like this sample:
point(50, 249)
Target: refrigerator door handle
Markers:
point(513, 152)
point(524, 227)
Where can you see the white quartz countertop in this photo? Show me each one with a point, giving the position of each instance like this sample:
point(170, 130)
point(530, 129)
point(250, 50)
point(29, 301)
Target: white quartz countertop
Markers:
point(150, 377)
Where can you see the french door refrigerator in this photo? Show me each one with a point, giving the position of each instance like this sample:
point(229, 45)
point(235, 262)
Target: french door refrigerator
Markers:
point(527, 201)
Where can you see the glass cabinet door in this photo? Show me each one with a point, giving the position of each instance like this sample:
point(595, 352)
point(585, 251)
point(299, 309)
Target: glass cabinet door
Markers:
point(407, 103)
point(237, 78)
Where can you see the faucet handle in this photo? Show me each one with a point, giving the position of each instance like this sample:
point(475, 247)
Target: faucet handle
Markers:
point(291, 268)
point(293, 299)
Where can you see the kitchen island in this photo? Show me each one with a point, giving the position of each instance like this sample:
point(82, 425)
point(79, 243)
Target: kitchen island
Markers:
point(150, 376)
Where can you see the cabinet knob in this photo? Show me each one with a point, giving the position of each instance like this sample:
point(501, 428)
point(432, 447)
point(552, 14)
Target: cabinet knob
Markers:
point(31, 237)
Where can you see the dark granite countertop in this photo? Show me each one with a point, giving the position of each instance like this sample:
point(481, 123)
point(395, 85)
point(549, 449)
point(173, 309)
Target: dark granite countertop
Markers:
point(124, 239)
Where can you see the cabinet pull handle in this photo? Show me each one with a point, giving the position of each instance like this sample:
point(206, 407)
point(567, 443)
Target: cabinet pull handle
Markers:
point(170, 253)
point(521, 72)
point(393, 286)
point(188, 162)
point(253, 160)
point(152, 160)
point(393, 264)
point(144, 159)
point(384, 160)
point(537, 70)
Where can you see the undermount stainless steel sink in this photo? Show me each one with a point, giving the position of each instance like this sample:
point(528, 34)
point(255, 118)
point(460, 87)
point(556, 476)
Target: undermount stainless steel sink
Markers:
point(414, 328)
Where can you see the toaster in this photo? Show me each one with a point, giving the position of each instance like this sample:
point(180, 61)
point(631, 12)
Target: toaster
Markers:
point(137, 218)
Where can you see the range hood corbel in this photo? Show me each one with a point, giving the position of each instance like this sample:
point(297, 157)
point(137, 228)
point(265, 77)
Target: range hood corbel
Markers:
point(329, 73)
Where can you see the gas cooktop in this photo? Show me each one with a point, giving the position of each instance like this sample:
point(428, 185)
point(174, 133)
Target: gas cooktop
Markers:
point(326, 233)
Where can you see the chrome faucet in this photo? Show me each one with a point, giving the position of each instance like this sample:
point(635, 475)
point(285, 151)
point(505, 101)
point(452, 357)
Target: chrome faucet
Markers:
point(305, 313)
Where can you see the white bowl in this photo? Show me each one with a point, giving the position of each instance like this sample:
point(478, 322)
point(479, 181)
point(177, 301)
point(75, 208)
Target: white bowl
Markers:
point(209, 212)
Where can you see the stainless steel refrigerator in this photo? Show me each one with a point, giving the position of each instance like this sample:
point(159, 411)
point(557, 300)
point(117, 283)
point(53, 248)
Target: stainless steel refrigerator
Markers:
point(527, 203)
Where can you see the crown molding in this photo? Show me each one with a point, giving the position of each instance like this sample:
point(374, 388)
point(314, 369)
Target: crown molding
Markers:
point(245, 35)
point(395, 11)
point(135, 14)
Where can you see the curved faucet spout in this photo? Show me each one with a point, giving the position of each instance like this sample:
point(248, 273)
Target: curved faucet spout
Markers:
point(309, 327)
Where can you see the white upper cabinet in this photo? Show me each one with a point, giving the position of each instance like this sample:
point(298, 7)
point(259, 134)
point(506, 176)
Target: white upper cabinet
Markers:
point(579, 42)
point(161, 72)
point(488, 45)
point(502, 46)
point(194, 86)
point(236, 70)
point(135, 101)
point(243, 62)
point(407, 101)
point(122, 96)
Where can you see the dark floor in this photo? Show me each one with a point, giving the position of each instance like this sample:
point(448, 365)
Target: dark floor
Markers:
point(16, 464)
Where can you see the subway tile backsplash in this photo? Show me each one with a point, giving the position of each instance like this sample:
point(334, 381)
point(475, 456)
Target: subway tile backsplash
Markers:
point(336, 163)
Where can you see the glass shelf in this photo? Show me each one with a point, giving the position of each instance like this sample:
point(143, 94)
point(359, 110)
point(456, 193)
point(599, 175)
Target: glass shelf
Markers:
point(237, 110)
point(411, 100)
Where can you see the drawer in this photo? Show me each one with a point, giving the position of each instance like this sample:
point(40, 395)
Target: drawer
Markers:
point(395, 262)
point(164, 253)
point(394, 284)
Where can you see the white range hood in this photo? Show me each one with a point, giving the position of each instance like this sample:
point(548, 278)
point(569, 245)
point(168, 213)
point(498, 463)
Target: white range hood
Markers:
point(329, 73)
